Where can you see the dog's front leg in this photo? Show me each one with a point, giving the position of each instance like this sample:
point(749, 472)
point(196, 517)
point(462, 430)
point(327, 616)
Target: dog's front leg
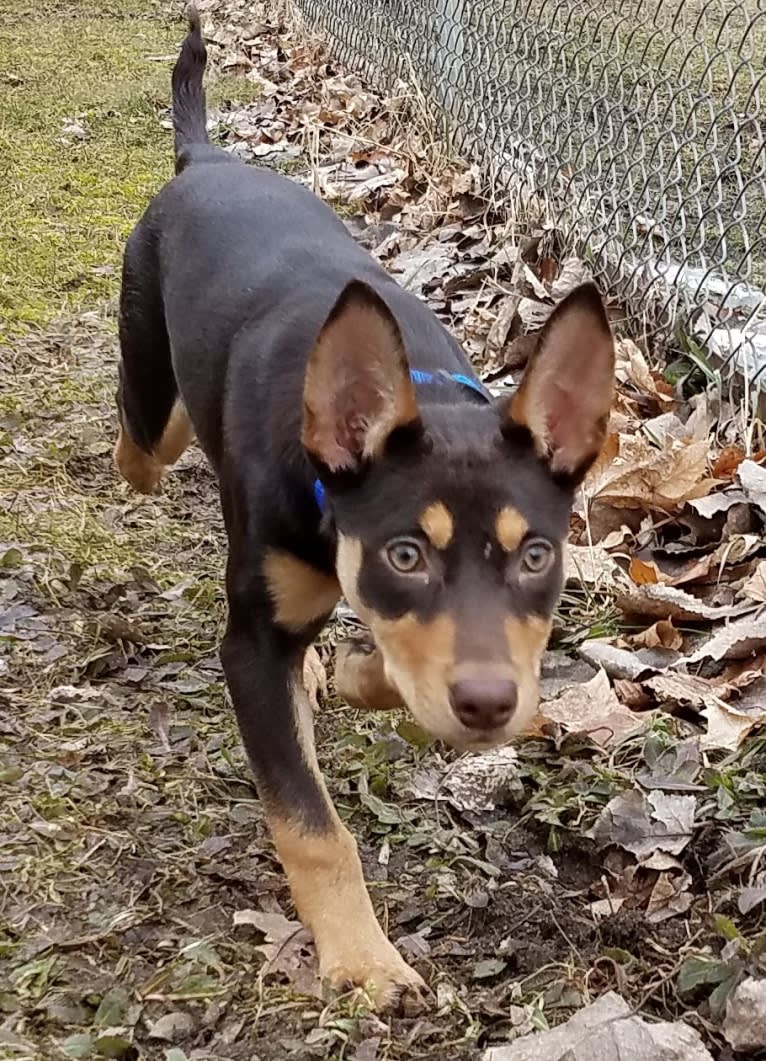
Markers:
point(263, 665)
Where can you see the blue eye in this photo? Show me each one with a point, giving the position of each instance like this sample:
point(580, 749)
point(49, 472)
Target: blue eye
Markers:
point(405, 556)
point(537, 557)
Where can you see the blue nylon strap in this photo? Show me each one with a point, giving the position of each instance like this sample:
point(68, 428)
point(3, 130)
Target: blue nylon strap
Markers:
point(417, 376)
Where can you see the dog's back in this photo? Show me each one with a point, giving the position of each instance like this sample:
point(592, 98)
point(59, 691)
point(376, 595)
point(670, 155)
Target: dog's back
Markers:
point(233, 248)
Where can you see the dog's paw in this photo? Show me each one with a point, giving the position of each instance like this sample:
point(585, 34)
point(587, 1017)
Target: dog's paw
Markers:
point(360, 677)
point(140, 469)
point(388, 980)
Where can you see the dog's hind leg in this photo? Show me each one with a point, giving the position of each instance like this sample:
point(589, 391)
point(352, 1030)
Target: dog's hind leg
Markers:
point(154, 428)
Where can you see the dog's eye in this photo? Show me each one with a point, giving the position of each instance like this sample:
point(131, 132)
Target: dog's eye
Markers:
point(537, 557)
point(405, 556)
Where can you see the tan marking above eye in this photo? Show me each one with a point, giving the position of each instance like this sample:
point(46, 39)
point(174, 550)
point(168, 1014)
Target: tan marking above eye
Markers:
point(437, 525)
point(510, 528)
point(301, 594)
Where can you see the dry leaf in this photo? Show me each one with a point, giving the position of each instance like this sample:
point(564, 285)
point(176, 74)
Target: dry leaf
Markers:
point(669, 602)
point(740, 674)
point(736, 548)
point(159, 720)
point(645, 824)
point(533, 314)
point(642, 476)
point(686, 690)
point(666, 427)
point(631, 366)
point(744, 1025)
point(752, 479)
point(601, 470)
point(669, 897)
point(643, 574)
point(501, 326)
point(367, 1050)
point(574, 271)
point(754, 587)
point(288, 949)
point(730, 723)
point(662, 635)
point(479, 782)
point(589, 565)
point(673, 769)
point(594, 709)
point(606, 1030)
point(727, 462)
point(701, 420)
point(740, 639)
point(619, 663)
point(714, 503)
point(674, 572)
point(632, 694)
point(750, 898)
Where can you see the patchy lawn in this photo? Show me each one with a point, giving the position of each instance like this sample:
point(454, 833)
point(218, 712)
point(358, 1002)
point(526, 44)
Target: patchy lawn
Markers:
point(83, 84)
point(142, 912)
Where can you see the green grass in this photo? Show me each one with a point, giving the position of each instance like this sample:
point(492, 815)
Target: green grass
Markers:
point(65, 212)
point(67, 208)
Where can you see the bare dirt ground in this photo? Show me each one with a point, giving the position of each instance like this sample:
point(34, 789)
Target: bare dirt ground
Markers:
point(620, 848)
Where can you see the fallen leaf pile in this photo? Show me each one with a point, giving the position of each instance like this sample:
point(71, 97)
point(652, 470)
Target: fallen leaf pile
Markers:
point(683, 555)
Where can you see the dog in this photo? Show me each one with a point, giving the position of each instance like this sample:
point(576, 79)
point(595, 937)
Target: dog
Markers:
point(356, 454)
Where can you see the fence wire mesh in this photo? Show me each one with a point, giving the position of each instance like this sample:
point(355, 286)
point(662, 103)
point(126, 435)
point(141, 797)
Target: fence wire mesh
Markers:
point(636, 129)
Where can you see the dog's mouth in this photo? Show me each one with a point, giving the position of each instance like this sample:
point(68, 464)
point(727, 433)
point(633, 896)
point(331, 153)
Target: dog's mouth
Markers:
point(464, 738)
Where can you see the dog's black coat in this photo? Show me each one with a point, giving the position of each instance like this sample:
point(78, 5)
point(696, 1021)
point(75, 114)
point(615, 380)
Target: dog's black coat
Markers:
point(228, 281)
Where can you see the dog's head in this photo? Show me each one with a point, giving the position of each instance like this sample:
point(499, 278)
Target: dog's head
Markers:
point(452, 518)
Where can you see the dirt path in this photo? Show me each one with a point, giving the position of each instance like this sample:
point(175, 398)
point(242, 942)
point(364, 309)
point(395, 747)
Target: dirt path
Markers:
point(142, 913)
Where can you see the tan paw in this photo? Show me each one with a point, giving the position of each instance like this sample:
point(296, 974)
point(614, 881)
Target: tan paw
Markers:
point(386, 977)
point(360, 677)
point(141, 470)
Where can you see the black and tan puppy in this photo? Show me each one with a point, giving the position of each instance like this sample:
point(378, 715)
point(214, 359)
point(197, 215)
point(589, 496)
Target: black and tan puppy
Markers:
point(356, 454)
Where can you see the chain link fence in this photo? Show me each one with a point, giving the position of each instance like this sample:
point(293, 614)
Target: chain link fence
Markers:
point(634, 130)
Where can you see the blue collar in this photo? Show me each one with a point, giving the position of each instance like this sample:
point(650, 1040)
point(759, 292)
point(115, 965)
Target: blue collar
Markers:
point(417, 376)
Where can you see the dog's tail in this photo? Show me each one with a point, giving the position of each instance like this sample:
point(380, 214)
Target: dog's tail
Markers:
point(189, 109)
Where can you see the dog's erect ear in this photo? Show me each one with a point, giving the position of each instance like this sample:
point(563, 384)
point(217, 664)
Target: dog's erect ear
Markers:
point(566, 393)
point(357, 388)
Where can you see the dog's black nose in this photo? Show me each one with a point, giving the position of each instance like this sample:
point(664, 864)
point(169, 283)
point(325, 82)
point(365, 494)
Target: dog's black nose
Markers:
point(483, 703)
